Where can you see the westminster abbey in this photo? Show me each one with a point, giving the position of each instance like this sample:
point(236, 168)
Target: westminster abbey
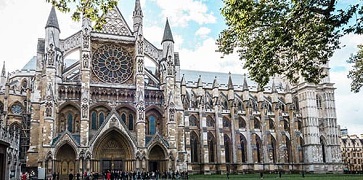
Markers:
point(106, 110)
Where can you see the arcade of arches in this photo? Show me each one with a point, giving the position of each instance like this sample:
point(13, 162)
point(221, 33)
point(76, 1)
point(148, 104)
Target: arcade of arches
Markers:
point(111, 152)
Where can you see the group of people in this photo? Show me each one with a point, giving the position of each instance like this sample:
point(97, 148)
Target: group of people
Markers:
point(124, 175)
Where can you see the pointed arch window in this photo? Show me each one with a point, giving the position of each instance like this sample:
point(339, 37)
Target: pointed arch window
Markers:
point(243, 148)
point(273, 148)
point(193, 121)
point(210, 121)
point(240, 106)
point(123, 117)
point(94, 120)
point(257, 124)
point(226, 123)
point(211, 147)
point(70, 122)
point(258, 149)
point(194, 147)
point(241, 123)
point(227, 145)
point(101, 118)
point(323, 149)
point(131, 122)
point(152, 125)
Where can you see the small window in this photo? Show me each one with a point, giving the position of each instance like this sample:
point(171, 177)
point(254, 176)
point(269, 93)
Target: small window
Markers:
point(152, 125)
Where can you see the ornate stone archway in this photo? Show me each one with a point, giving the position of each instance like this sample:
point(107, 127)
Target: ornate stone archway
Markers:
point(66, 162)
point(113, 151)
point(157, 159)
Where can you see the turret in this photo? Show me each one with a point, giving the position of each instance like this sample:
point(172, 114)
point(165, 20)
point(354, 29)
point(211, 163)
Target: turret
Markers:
point(167, 62)
point(245, 89)
point(200, 87)
point(183, 87)
point(53, 54)
point(3, 76)
point(230, 89)
point(274, 92)
point(215, 88)
point(137, 15)
point(52, 30)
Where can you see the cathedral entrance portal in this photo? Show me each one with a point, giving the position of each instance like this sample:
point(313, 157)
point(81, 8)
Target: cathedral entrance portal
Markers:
point(157, 160)
point(113, 152)
point(66, 160)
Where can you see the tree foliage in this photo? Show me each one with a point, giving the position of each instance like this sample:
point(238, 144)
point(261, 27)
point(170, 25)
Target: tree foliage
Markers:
point(92, 9)
point(285, 37)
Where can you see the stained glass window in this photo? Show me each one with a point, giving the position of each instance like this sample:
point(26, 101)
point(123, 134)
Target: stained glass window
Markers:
point(112, 64)
point(123, 117)
point(131, 122)
point(70, 122)
point(101, 119)
point(16, 109)
point(192, 121)
point(94, 120)
point(152, 128)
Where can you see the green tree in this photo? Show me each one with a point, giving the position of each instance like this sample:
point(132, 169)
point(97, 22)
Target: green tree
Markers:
point(92, 9)
point(288, 37)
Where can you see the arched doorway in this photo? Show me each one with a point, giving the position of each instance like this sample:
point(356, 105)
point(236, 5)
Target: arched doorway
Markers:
point(157, 160)
point(113, 152)
point(66, 160)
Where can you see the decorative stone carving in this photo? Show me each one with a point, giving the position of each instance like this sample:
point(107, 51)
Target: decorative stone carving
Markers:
point(84, 111)
point(115, 24)
point(85, 59)
point(151, 51)
point(140, 65)
point(112, 64)
point(86, 38)
point(71, 43)
point(50, 55)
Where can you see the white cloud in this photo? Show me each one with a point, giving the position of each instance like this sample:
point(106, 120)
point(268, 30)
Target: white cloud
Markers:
point(182, 12)
point(204, 58)
point(348, 111)
point(203, 32)
point(22, 26)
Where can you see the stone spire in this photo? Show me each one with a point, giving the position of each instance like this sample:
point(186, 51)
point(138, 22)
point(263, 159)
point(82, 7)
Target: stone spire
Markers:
point(215, 83)
point(200, 83)
point(230, 88)
point(3, 71)
point(245, 85)
point(168, 36)
point(183, 86)
point(52, 19)
point(137, 15)
point(230, 84)
point(137, 9)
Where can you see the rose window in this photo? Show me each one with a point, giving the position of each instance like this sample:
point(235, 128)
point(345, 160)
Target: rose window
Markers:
point(16, 109)
point(112, 64)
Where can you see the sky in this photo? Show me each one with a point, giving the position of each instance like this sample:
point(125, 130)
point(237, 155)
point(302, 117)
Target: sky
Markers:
point(195, 26)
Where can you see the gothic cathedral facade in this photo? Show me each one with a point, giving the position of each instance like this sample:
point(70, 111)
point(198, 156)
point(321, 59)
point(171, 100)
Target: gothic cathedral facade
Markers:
point(108, 111)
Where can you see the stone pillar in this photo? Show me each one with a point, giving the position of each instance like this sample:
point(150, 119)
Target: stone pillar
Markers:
point(85, 60)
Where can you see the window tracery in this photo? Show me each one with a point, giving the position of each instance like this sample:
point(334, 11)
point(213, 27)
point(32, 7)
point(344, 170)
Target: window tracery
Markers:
point(112, 64)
